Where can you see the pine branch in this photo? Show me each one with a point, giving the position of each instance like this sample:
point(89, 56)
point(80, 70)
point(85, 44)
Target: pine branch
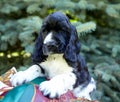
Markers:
point(85, 28)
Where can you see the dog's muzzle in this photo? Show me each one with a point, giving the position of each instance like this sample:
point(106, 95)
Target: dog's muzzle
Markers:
point(49, 48)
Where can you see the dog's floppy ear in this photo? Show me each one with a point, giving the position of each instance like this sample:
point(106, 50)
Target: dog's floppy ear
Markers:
point(37, 55)
point(73, 47)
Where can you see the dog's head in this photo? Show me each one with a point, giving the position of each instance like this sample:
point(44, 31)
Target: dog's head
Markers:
point(57, 35)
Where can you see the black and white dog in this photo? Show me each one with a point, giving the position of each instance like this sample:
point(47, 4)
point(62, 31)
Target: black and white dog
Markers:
point(57, 57)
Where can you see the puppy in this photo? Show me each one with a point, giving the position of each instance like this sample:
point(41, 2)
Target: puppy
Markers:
point(57, 57)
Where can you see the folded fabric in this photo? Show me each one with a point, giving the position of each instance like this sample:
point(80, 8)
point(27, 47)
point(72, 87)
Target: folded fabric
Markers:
point(30, 93)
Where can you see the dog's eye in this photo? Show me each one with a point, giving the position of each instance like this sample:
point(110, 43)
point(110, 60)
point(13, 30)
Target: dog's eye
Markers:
point(52, 46)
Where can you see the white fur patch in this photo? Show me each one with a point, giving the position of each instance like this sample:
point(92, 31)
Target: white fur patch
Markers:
point(85, 91)
point(60, 73)
point(54, 65)
point(48, 38)
point(26, 76)
point(58, 85)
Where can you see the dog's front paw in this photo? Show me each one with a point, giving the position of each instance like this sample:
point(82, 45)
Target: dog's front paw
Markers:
point(52, 89)
point(19, 78)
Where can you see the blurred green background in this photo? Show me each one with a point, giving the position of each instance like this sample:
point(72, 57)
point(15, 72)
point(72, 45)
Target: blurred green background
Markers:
point(98, 26)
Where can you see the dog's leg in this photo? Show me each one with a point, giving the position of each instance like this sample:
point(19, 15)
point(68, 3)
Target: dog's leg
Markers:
point(58, 85)
point(85, 91)
point(25, 76)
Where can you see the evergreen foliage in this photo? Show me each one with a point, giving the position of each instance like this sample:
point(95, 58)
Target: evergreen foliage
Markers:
point(98, 26)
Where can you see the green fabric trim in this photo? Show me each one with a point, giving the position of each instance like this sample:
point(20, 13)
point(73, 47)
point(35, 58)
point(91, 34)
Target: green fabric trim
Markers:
point(22, 93)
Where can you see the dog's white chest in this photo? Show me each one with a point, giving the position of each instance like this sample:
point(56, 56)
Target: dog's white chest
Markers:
point(55, 65)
